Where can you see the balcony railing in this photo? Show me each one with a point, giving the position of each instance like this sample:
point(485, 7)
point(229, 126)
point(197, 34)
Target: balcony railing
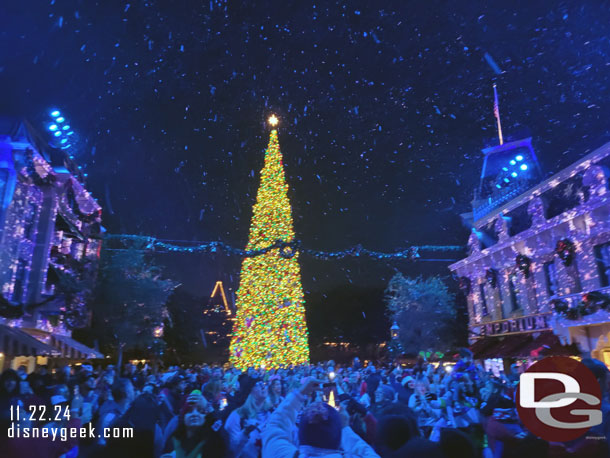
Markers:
point(495, 202)
point(576, 298)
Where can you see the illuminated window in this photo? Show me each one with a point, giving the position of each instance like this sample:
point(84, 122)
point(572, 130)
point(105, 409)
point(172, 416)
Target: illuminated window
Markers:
point(498, 304)
point(550, 275)
point(513, 281)
point(484, 309)
point(602, 256)
point(573, 272)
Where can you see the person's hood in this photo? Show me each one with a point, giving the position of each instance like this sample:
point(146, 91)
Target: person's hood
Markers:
point(406, 380)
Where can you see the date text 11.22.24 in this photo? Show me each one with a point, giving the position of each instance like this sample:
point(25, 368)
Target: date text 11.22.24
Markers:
point(40, 413)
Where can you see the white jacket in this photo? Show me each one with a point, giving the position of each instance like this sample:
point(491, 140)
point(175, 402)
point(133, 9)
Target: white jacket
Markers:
point(277, 442)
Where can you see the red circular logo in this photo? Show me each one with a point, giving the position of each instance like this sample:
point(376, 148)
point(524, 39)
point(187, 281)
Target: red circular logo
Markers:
point(559, 399)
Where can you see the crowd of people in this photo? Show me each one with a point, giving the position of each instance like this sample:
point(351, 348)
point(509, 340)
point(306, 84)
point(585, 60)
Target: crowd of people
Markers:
point(322, 410)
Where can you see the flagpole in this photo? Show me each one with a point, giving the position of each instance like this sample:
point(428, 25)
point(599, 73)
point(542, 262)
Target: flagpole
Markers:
point(497, 115)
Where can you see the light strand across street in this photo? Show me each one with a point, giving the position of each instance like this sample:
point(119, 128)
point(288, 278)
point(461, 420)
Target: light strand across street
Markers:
point(286, 249)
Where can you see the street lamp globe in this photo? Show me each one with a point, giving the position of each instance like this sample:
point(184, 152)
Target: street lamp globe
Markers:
point(394, 330)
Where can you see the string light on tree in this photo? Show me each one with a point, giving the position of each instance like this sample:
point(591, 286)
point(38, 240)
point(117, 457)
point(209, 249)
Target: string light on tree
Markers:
point(270, 329)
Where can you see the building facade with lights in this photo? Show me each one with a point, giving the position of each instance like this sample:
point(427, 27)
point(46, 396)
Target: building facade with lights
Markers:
point(537, 274)
point(50, 237)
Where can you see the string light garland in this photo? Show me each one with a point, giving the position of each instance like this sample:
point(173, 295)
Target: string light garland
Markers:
point(152, 243)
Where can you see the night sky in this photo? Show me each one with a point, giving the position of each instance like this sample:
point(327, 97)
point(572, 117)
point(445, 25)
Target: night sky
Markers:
point(384, 109)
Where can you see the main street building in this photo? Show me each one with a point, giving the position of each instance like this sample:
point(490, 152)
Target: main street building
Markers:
point(537, 274)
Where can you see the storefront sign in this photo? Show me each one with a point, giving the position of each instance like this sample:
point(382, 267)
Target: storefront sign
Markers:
point(515, 325)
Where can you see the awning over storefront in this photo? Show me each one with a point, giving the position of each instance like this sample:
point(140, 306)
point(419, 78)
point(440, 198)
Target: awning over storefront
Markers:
point(66, 346)
point(522, 346)
point(547, 344)
point(14, 342)
point(481, 346)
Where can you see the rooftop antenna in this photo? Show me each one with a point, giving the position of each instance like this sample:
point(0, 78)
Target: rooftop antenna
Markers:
point(497, 115)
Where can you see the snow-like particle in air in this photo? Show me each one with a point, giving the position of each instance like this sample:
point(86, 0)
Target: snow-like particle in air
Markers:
point(492, 63)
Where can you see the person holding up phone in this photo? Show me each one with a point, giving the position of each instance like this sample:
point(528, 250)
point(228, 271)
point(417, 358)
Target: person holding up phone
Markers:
point(199, 434)
point(425, 406)
point(322, 430)
point(245, 424)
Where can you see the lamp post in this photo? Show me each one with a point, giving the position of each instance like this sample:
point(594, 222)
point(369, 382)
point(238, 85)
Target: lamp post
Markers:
point(394, 331)
point(394, 344)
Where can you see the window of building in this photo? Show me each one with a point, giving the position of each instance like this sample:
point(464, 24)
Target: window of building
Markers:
point(484, 309)
point(513, 287)
point(574, 274)
point(602, 256)
point(550, 275)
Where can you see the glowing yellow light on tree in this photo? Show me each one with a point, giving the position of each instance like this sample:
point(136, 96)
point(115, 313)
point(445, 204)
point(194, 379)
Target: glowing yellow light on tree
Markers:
point(273, 120)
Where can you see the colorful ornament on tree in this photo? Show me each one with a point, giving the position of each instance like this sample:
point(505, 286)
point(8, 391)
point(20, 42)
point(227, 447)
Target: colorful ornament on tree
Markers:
point(565, 250)
point(270, 282)
point(523, 264)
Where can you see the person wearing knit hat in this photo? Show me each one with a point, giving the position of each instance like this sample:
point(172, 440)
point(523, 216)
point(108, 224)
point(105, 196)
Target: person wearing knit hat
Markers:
point(199, 433)
point(322, 431)
point(320, 427)
point(384, 396)
point(409, 384)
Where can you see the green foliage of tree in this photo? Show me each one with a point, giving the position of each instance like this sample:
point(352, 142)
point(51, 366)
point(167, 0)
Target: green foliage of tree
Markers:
point(129, 300)
point(425, 311)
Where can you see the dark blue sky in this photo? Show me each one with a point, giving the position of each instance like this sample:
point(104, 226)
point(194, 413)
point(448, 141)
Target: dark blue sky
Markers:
point(384, 106)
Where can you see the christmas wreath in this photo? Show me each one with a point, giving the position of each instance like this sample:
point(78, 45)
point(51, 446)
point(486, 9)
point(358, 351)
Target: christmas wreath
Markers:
point(523, 264)
point(559, 306)
point(491, 275)
point(565, 250)
point(287, 249)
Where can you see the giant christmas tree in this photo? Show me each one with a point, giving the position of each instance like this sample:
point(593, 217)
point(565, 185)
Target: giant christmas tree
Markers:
point(270, 329)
